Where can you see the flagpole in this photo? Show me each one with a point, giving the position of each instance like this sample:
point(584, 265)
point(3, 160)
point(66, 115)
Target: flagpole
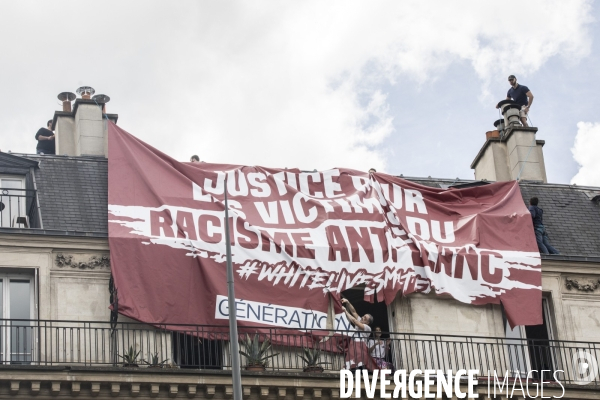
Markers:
point(233, 333)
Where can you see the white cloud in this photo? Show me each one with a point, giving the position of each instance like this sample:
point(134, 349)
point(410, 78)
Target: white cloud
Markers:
point(585, 152)
point(271, 83)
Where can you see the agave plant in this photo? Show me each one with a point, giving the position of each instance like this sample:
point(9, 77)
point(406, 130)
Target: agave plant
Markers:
point(256, 353)
point(312, 358)
point(154, 361)
point(130, 358)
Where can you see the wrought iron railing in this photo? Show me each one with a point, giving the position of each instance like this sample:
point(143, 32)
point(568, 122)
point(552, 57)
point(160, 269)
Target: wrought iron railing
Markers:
point(46, 343)
point(18, 208)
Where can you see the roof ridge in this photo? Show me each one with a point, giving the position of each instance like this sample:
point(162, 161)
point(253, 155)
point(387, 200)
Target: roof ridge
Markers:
point(63, 157)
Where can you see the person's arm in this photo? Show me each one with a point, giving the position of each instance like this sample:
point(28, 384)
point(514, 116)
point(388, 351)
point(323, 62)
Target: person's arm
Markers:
point(350, 308)
point(41, 137)
point(532, 212)
point(372, 345)
point(530, 99)
point(355, 321)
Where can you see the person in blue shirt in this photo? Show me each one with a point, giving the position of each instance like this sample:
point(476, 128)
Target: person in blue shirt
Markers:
point(541, 236)
point(521, 95)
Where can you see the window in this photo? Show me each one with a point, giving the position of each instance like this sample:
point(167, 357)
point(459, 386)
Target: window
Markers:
point(378, 310)
point(530, 347)
point(191, 351)
point(539, 338)
point(13, 201)
point(16, 309)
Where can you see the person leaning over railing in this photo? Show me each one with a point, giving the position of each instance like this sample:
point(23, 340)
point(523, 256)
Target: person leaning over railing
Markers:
point(357, 354)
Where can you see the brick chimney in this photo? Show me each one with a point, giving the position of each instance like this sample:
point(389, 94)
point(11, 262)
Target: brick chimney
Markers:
point(83, 131)
point(512, 153)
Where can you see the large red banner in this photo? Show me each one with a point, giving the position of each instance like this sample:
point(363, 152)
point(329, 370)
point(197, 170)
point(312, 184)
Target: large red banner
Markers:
point(299, 238)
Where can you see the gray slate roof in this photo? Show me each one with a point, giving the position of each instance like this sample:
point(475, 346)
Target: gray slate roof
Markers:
point(73, 193)
point(571, 217)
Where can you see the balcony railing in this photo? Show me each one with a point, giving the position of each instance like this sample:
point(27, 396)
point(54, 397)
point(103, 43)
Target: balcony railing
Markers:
point(54, 343)
point(18, 208)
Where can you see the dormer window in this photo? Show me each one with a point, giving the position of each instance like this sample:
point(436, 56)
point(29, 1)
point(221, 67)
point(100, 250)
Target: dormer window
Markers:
point(19, 208)
point(14, 199)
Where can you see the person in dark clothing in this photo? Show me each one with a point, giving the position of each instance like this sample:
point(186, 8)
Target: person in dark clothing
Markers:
point(541, 236)
point(521, 95)
point(45, 138)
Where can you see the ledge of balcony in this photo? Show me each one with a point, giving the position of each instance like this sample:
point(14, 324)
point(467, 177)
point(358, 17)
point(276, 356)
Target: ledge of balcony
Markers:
point(45, 382)
point(164, 371)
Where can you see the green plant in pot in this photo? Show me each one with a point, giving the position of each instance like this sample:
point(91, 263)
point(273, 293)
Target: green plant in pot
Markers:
point(256, 353)
point(312, 358)
point(130, 358)
point(154, 361)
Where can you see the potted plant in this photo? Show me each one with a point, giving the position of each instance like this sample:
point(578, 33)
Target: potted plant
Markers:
point(130, 358)
point(256, 353)
point(312, 358)
point(154, 361)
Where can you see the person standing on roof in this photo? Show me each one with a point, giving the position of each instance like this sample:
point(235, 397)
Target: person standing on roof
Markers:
point(45, 138)
point(521, 95)
point(541, 236)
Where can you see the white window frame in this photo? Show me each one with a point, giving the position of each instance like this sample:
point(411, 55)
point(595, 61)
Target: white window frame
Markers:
point(5, 343)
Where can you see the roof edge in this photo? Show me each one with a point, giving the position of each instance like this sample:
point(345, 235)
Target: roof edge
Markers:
point(53, 232)
point(18, 160)
point(561, 257)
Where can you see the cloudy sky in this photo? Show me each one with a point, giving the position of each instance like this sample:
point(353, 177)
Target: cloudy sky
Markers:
point(407, 87)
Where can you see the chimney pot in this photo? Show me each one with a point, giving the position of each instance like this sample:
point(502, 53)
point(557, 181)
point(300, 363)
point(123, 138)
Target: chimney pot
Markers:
point(101, 99)
point(492, 134)
point(511, 114)
point(66, 98)
point(86, 92)
point(499, 124)
point(502, 103)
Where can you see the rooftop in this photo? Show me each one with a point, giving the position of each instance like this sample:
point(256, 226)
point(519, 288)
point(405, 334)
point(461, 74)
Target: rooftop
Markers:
point(72, 192)
point(73, 197)
point(571, 212)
